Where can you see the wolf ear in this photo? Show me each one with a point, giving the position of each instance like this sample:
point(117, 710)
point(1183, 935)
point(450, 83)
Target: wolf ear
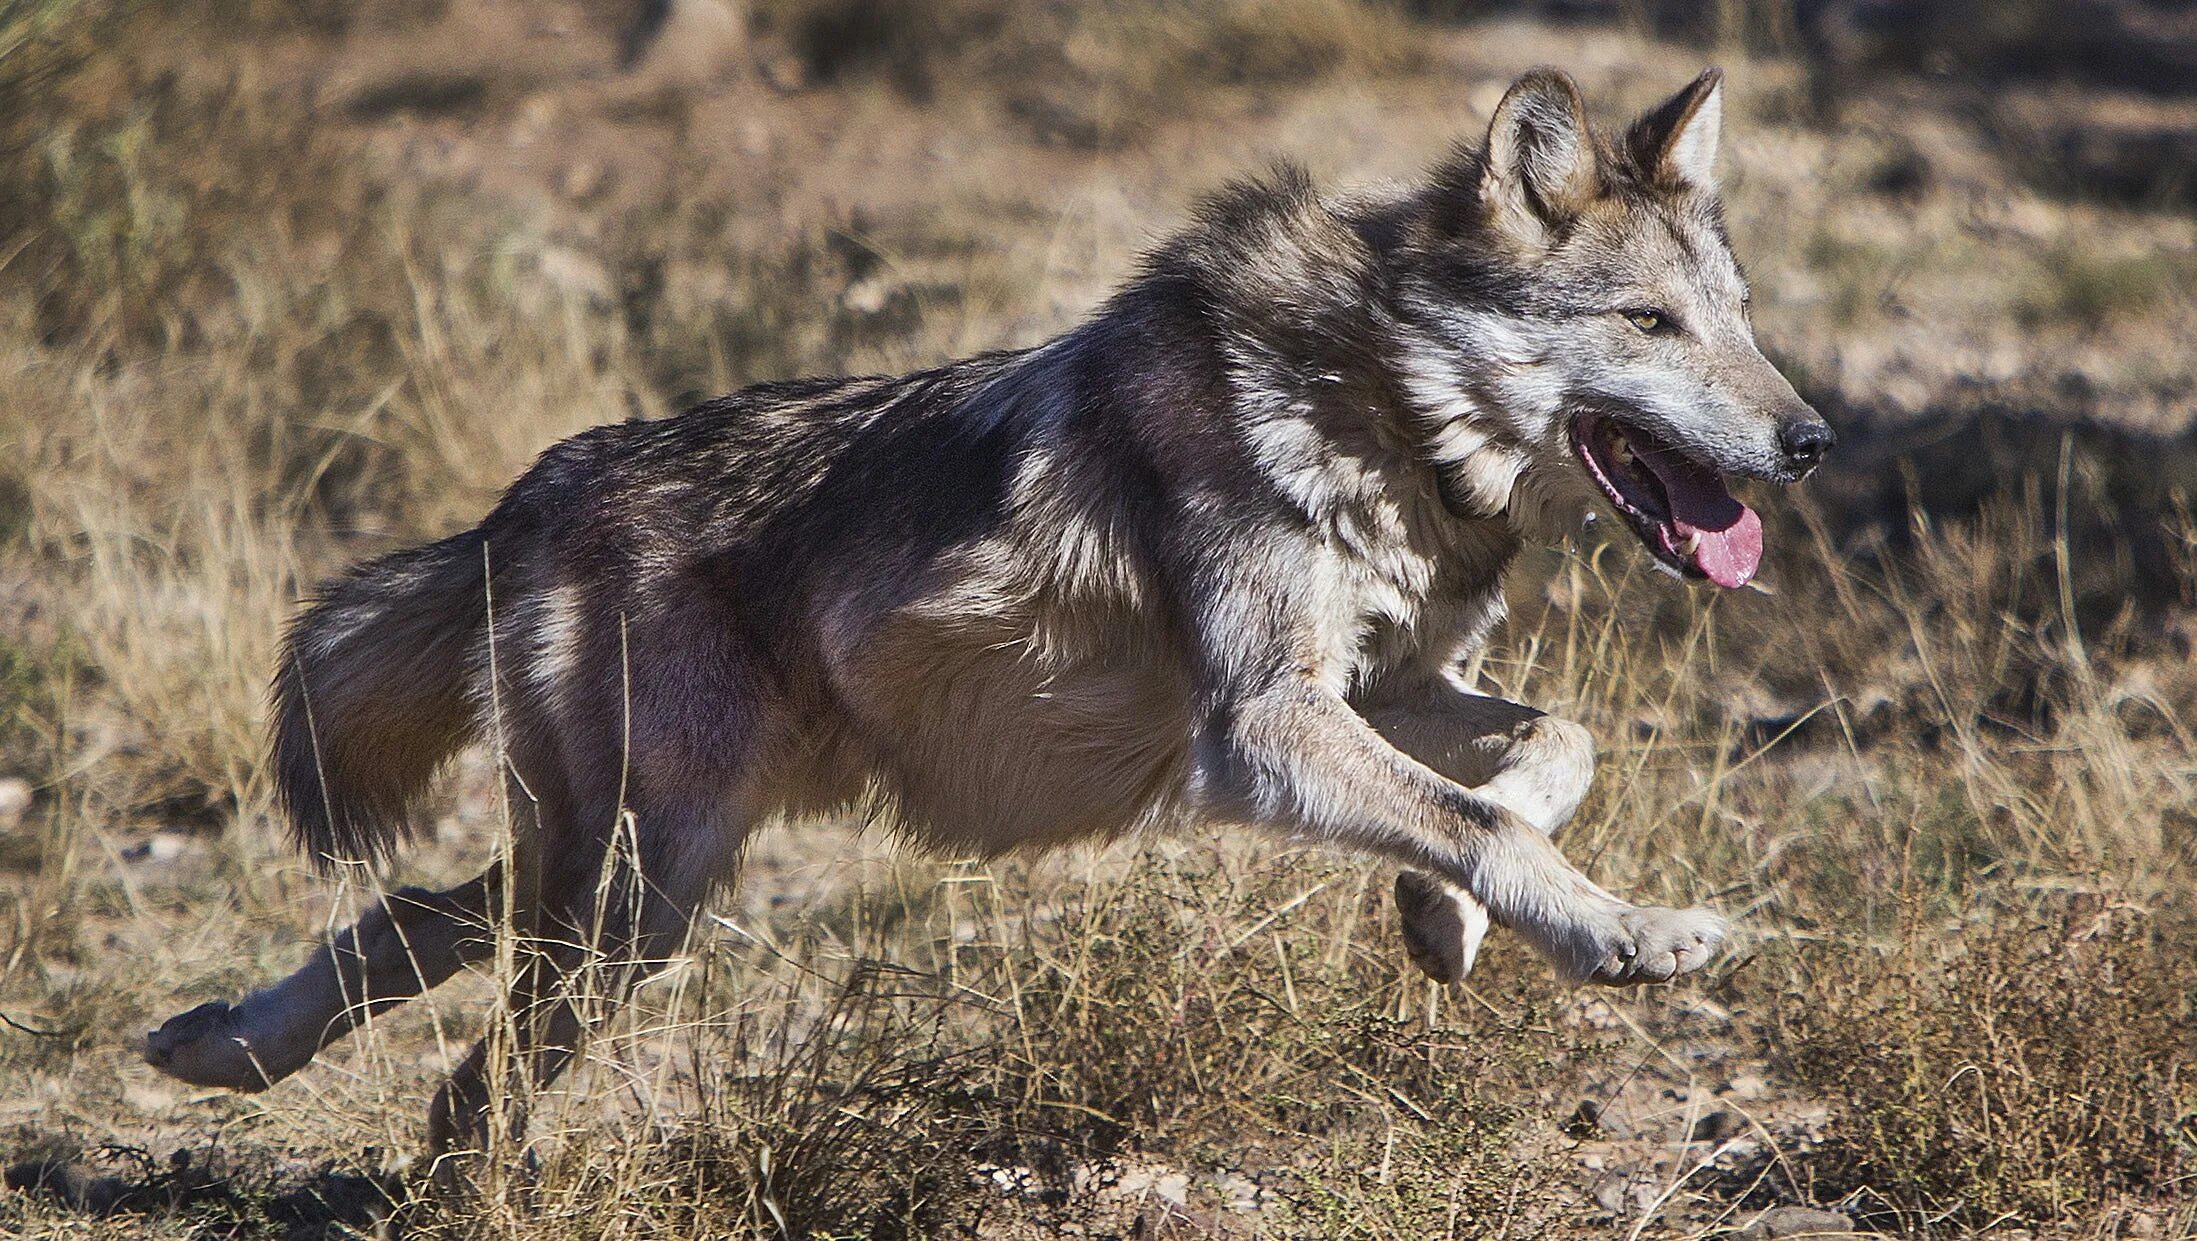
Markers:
point(1676, 143)
point(1539, 172)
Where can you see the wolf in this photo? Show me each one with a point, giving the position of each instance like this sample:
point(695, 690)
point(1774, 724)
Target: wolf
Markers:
point(1213, 557)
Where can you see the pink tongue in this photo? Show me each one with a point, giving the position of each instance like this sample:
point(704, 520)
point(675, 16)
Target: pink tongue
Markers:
point(1731, 534)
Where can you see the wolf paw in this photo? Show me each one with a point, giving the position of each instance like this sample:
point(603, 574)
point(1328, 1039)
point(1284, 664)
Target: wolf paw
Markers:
point(1657, 945)
point(1443, 928)
point(205, 1048)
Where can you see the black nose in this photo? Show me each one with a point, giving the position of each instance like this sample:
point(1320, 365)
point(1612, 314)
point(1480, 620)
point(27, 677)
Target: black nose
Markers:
point(1806, 442)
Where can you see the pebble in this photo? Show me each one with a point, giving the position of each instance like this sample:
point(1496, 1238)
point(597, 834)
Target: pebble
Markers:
point(1798, 1222)
point(1624, 1194)
point(1151, 1180)
point(1014, 1182)
point(1719, 1125)
point(785, 73)
point(1239, 1192)
point(581, 179)
point(15, 801)
point(1747, 1087)
point(867, 296)
point(158, 848)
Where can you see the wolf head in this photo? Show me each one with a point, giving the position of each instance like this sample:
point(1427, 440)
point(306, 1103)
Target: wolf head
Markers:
point(1576, 330)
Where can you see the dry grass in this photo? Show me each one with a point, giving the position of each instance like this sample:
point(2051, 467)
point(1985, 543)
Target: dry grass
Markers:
point(2014, 1065)
point(1098, 75)
point(1944, 776)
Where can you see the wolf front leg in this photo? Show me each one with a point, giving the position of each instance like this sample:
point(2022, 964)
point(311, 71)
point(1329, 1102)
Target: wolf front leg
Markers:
point(1294, 756)
point(1526, 761)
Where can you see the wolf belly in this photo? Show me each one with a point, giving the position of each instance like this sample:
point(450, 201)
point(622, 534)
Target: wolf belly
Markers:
point(986, 741)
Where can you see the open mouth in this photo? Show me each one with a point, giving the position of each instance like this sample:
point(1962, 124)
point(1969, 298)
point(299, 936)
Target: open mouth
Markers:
point(1680, 508)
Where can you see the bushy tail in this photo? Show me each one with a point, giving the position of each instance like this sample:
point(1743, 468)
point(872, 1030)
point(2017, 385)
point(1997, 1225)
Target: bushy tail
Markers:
point(371, 696)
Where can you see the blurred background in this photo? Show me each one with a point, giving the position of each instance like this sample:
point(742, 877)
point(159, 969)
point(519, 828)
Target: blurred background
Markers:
point(285, 284)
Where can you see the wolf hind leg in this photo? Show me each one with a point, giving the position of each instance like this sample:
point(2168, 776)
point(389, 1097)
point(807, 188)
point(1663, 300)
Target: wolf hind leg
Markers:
point(1443, 926)
point(1527, 761)
point(1538, 768)
point(610, 916)
point(408, 943)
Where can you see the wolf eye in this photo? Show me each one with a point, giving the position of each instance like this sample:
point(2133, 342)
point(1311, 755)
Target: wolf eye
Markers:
point(1650, 321)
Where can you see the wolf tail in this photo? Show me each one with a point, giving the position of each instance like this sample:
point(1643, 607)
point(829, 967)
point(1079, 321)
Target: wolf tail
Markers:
point(372, 696)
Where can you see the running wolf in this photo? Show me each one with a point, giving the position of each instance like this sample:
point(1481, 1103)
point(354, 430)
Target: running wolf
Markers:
point(1213, 556)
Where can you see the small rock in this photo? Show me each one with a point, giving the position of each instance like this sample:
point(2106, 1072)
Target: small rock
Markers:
point(1623, 1194)
point(1609, 1193)
point(157, 848)
point(1014, 1182)
point(1742, 1151)
point(1747, 1087)
point(1596, 1014)
point(1718, 1125)
point(1239, 1193)
point(867, 296)
point(535, 117)
point(1798, 1222)
point(1807, 1128)
point(15, 801)
point(1151, 1180)
point(581, 179)
point(784, 73)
